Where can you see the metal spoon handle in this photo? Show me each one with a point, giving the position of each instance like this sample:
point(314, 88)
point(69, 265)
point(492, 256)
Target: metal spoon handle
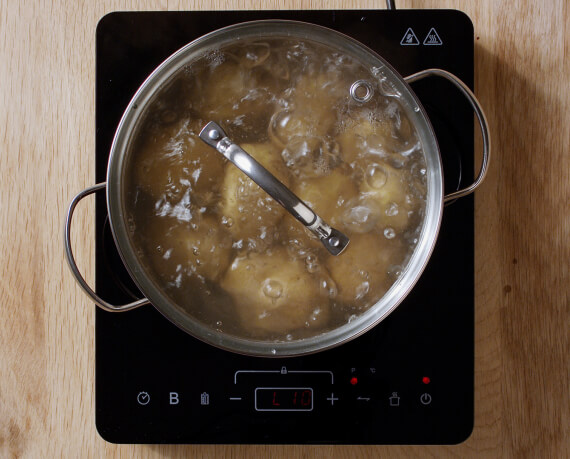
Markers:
point(333, 240)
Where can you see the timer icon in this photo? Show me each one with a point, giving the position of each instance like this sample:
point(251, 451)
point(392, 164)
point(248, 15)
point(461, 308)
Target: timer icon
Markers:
point(143, 398)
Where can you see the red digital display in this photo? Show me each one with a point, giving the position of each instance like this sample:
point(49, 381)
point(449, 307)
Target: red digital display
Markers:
point(284, 399)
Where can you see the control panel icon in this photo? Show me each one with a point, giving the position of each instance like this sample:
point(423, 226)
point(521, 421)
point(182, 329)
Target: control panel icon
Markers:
point(425, 399)
point(143, 398)
point(394, 399)
point(204, 398)
point(332, 399)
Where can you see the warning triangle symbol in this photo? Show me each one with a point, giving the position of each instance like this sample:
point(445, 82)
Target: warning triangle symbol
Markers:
point(432, 38)
point(409, 38)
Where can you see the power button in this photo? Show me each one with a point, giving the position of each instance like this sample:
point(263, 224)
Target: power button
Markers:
point(425, 398)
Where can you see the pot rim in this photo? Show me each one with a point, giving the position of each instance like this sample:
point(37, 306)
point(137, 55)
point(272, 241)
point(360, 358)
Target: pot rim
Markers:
point(133, 114)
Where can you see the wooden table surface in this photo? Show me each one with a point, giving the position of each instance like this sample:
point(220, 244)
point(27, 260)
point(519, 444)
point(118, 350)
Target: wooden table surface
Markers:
point(522, 232)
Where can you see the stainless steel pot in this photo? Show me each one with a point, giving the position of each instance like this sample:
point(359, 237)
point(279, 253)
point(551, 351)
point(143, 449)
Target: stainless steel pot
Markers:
point(147, 93)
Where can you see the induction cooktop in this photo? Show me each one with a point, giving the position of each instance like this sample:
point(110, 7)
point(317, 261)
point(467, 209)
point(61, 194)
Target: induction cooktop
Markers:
point(407, 381)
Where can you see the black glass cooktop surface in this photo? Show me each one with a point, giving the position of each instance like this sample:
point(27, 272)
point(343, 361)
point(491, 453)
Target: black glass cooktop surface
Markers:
point(408, 381)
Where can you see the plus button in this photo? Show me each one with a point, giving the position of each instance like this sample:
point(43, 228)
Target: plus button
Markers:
point(332, 398)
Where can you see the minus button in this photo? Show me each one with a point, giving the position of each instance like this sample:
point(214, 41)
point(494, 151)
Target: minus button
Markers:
point(235, 398)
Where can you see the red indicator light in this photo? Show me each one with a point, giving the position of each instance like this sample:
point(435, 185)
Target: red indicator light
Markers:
point(426, 380)
point(353, 381)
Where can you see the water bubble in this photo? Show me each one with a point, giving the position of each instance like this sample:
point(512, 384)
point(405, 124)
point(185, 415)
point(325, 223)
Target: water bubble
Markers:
point(312, 264)
point(362, 290)
point(394, 271)
point(315, 314)
point(282, 126)
point(219, 323)
point(311, 156)
point(289, 337)
point(389, 233)
point(328, 287)
point(360, 214)
point(272, 288)
point(417, 170)
point(227, 221)
point(376, 176)
point(397, 161)
point(274, 351)
point(351, 318)
point(253, 54)
point(392, 210)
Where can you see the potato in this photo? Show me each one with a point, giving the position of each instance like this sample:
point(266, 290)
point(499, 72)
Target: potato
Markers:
point(363, 134)
point(308, 157)
point(204, 251)
point(319, 91)
point(232, 95)
point(250, 211)
point(299, 240)
point(294, 123)
point(389, 188)
point(275, 294)
point(361, 271)
point(311, 110)
point(172, 160)
point(327, 195)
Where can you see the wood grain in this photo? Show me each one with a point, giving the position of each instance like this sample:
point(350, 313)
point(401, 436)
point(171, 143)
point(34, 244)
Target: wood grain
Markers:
point(522, 233)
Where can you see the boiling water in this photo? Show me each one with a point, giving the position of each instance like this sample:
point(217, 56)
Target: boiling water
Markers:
point(226, 252)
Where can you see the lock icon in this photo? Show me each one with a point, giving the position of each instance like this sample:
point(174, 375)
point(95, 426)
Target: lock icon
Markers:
point(394, 399)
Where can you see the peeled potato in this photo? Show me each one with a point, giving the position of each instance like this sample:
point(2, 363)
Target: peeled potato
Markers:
point(274, 293)
point(250, 211)
point(361, 271)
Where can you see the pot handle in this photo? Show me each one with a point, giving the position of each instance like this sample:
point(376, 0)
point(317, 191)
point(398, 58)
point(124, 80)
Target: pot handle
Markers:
point(71, 260)
point(482, 123)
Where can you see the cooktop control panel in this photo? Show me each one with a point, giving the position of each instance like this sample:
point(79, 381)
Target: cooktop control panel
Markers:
point(407, 381)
